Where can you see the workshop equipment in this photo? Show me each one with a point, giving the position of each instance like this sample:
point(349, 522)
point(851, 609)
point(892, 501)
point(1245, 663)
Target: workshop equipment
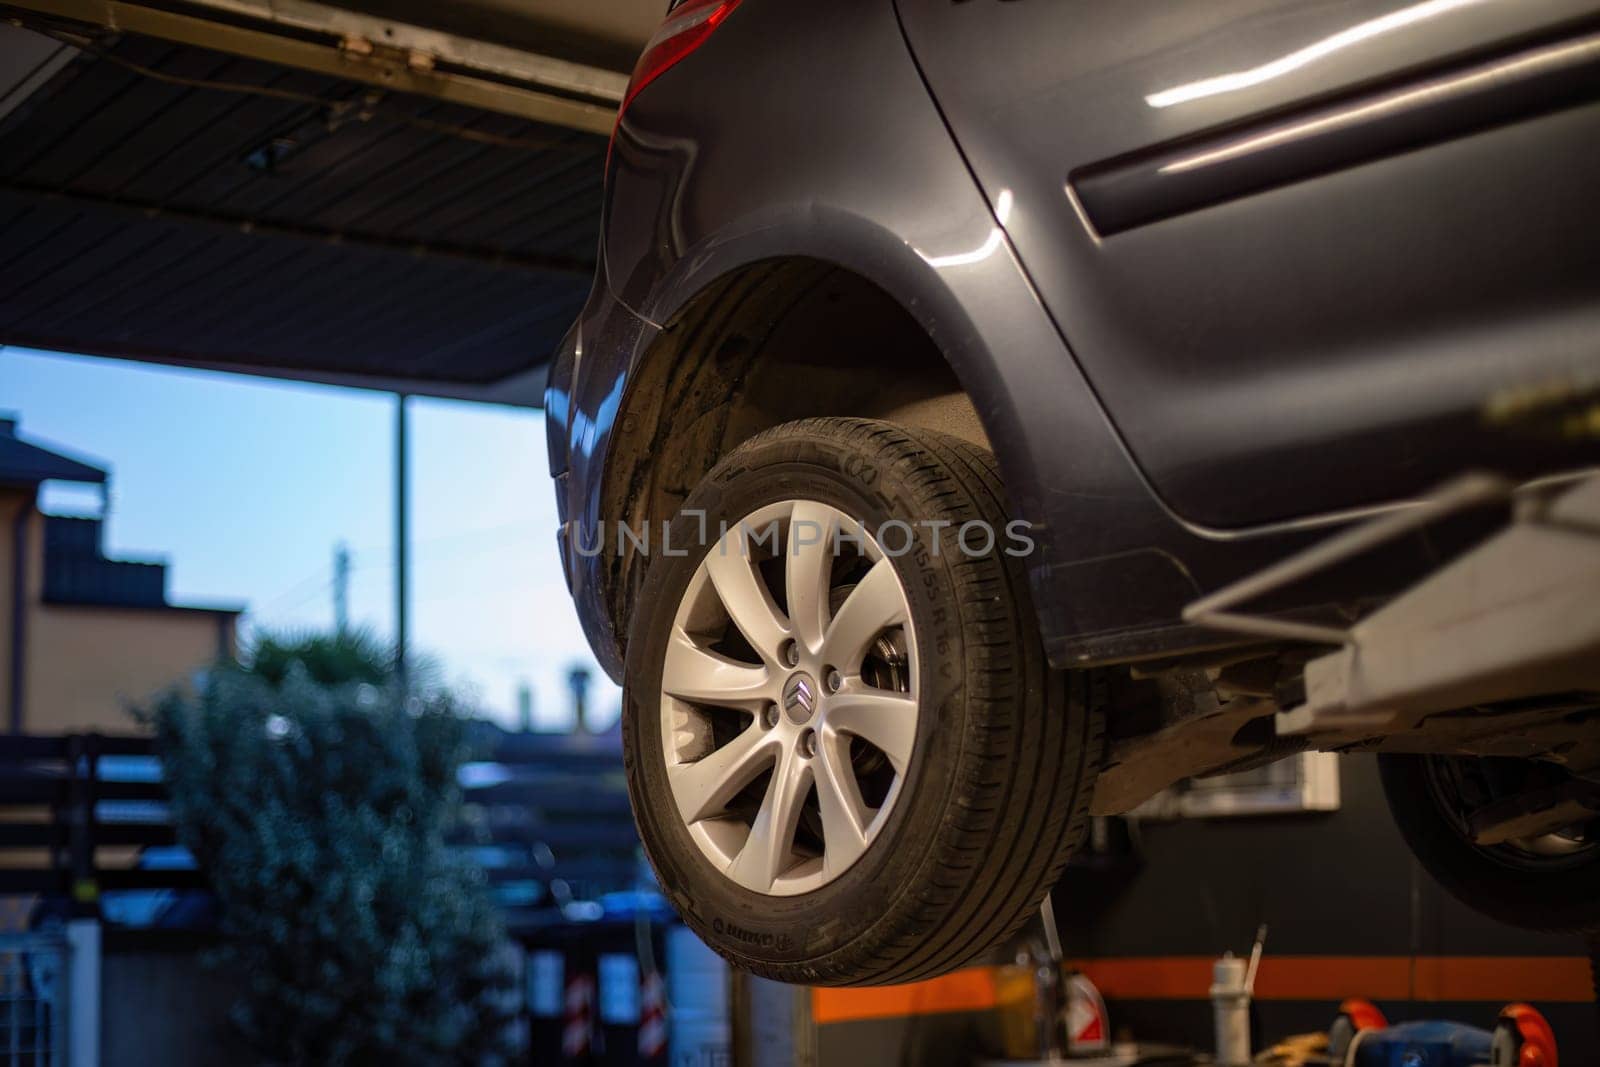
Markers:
point(1362, 1037)
point(1232, 983)
point(1088, 1025)
point(1230, 1002)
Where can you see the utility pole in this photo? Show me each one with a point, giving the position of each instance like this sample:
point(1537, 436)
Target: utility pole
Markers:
point(524, 706)
point(402, 537)
point(341, 588)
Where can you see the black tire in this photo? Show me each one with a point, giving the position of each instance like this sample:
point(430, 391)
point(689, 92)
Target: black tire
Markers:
point(998, 787)
point(1553, 897)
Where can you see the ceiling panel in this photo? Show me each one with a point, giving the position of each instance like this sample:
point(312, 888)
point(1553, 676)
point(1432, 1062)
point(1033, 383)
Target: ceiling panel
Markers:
point(168, 202)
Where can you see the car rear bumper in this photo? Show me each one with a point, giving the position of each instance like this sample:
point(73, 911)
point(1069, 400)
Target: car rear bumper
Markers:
point(581, 405)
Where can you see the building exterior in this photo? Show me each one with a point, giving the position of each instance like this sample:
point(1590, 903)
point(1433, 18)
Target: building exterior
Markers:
point(82, 636)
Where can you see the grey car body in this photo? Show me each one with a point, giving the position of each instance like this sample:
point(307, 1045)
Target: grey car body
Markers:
point(1216, 278)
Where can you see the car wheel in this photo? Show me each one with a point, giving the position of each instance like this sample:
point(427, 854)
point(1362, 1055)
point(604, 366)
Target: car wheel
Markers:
point(848, 758)
point(1546, 881)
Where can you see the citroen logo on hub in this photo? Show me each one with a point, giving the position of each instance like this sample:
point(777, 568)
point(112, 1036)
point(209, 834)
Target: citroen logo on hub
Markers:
point(800, 697)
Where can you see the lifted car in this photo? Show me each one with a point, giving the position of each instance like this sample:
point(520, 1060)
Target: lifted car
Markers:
point(989, 413)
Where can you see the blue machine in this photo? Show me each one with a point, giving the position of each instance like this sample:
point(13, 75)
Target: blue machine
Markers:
point(1362, 1037)
point(1423, 1044)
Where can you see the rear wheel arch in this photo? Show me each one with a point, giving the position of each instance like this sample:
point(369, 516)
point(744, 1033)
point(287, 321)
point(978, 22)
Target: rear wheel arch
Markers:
point(766, 343)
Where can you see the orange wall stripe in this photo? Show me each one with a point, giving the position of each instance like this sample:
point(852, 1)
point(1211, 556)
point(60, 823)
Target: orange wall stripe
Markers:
point(1492, 979)
point(1562, 979)
point(1150, 978)
point(1553, 979)
point(969, 990)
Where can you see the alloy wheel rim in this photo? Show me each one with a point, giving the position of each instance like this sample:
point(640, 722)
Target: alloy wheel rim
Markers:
point(1551, 851)
point(789, 705)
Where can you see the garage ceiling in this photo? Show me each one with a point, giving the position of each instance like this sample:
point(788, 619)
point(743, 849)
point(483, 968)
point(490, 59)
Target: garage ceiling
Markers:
point(606, 33)
point(166, 201)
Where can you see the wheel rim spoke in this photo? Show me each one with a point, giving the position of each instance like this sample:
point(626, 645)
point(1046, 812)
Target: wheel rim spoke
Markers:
point(887, 721)
point(808, 566)
point(874, 605)
point(770, 847)
point(844, 814)
point(745, 595)
point(704, 788)
point(705, 677)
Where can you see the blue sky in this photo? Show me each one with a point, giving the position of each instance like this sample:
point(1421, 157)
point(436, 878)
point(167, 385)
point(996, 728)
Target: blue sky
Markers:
point(244, 485)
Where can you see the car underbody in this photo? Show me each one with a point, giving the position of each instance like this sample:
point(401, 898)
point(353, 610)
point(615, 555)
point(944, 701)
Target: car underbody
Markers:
point(1496, 655)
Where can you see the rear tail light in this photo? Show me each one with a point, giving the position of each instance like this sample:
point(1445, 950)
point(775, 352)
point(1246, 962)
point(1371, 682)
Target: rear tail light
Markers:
point(685, 28)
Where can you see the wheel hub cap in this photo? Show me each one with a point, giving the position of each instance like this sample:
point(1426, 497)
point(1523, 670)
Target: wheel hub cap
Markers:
point(800, 698)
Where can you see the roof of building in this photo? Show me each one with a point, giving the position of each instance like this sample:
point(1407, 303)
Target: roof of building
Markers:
point(22, 463)
point(77, 572)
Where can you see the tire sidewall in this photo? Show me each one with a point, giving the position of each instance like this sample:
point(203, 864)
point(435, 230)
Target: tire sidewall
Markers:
point(1557, 900)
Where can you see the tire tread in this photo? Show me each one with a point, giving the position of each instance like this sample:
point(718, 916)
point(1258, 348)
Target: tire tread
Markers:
point(1036, 738)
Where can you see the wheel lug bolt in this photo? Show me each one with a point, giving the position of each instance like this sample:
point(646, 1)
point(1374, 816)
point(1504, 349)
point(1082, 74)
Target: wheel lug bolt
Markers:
point(790, 653)
point(808, 744)
point(835, 681)
point(770, 716)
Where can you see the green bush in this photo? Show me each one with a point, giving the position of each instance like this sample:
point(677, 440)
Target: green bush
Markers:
point(315, 796)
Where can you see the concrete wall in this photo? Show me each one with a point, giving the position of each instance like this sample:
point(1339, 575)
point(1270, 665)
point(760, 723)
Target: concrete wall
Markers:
point(1339, 885)
point(1348, 909)
point(86, 663)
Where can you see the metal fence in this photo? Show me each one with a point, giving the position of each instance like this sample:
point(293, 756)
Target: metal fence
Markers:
point(85, 823)
point(33, 999)
point(87, 837)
